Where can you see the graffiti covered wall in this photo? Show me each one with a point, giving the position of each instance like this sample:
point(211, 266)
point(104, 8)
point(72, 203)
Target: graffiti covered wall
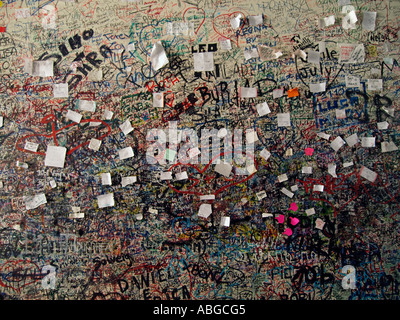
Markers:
point(114, 115)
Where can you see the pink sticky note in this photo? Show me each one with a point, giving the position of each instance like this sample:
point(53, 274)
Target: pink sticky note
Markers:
point(293, 206)
point(294, 220)
point(280, 218)
point(288, 232)
point(309, 151)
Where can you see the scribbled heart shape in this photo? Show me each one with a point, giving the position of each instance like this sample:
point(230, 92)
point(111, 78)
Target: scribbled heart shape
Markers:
point(230, 182)
point(195, 9)
point(17, 274)
point(222, 24)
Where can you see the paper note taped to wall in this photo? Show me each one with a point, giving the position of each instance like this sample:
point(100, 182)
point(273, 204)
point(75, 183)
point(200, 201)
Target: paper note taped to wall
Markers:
point(60, 90)
point(125, 153)
point(368, 174)
point(125, 181)
point(158, 57)
point(87, 105)
point(283, 119)
point(31, 146)
point(74, 116)
point(42, 68)
point(318, 87)
point(203, 61)
point(105, 200)
point(368, 22)
point(126, 127)
point(55, 156)
point(205, 210)
point(246, 92)
point(32, 202)
point(351, 53)
point(158, 99)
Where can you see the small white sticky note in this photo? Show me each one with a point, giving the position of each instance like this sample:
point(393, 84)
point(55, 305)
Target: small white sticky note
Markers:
point(266, 215)
point(193, 152)
point(263, 109)
point(203, 61)
point(153, 211)
point(337, 143)
point(32, 202)
point(223, 168)
point(1, 121)
point(87, 105)
point(225, 221)
point(368, 142)
point(158, 99)
point(383, 125)
point(388, 146)
point(167, 175)
point(205, 210)
point(158, 57)
point(287, 192)
point(60, 90)
point(348, 164)
point(20, 164)
point(250, 53)
point(251, 136)
point(126, 127)
point(170, 154)
point(368, 22)
point(319, 224)
point(107, 115)
point(352, 81)
point(318, 87)
point(306, 170)
point(246, 92)
point(375, 84)
point(310, 211)
point(53, 183)
point(207, 197)
point(352, 140)
point(332, 169)
point(255, 20)
point(283, 119)
point(125, 181)
point(318, 187)
point(130, 47)
point(265, 154)
point(55, 156)
point(74, 116)
point(125, 153)
point(31, 146)
point(76, 215)
point(225, 44)
point(294, 188)
point(251, 169)
point(42, 68)
point(106, 179)
point(340, 113)
point(181, 175)
point(277, 93)
point(235, 22)
point(301, 54)
point(282, 177)
point(368, 174)
point(105, 200)
point(94, 144)
point(323, 135)
point(261, 195)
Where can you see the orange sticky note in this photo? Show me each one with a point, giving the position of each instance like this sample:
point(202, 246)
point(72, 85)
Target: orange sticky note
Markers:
point(293, 93)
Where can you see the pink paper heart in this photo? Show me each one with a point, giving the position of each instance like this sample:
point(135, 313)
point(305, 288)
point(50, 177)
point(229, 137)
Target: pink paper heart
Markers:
point(293, 206)
point(309, 151)
point(288, 232)
point(294, 220)
point(280, 218)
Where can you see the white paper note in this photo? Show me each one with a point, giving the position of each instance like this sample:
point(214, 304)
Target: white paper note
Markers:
point(55, 156)
point(368, 174)
point(352, 81)
point(250, 53)
point(332, 169)
point(223, 168)
point(318, 187)
point(313, 57)
point(225, 221)
point(87, 105)
point(283, 119)
point(388, 146)
point(42, 68)
point(158, 57)
point(310, 211)
point(74, 116)
point(60, 90)
point(158, 99)
point(383, 125)
point(323, 135)
point(306, 170)
point(318, 87)
point(263, 109)
point(94, 144)
point(368, 142)
point(207, 197)
point(225, 44)
point(205, 210)
point(277, 93)
point(105, 200)
point(107, 115)
point(375, 84)
point(235, 22)
point(251, 136)
point(368, 22)
point(181, 175)
point(337, 143)
point(166, 175)
point(246, 92)
point(203, 61)
point(125, 153)
point(352, 140)
point(282, 177)
point(126, 127)
point(287, 192)
point(106, 179)
point(32, 202)
point(261, 195)
point(348, 164)
point(125, 181)
point(255, 20)
point(340, 113)
point(31, 146)
point(265, 154)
